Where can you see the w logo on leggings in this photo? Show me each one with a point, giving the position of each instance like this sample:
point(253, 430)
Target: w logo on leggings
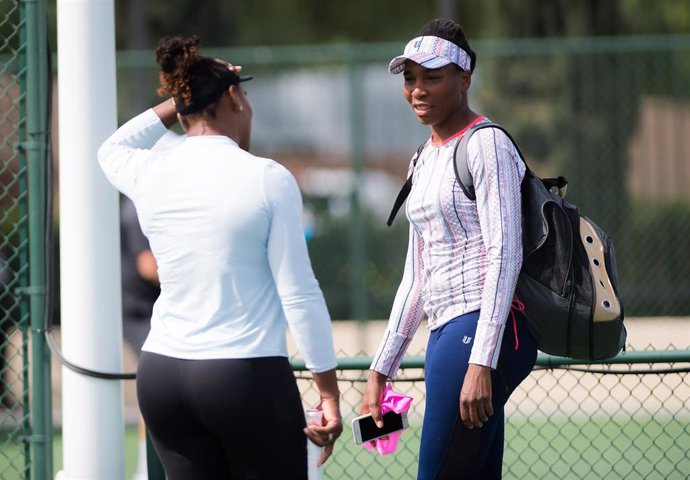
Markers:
point(466, 340)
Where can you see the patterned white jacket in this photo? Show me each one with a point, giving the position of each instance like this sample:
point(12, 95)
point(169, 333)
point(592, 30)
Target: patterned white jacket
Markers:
point(462, 255)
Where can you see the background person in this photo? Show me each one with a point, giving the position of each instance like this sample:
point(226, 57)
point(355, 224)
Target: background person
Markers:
point(140, 289)
point(214, 382)
point(140, 285)
point(8, 324)
point(461, 269)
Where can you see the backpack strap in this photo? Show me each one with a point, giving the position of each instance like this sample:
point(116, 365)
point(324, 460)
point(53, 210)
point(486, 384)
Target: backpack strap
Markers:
point(462, 170)
point(405, 190)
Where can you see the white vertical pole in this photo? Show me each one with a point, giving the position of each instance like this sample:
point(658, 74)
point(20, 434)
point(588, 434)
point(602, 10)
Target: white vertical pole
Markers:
point(91, 332)
point(314, 452)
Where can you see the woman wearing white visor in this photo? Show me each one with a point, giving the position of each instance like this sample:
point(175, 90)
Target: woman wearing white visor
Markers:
point(461, 269)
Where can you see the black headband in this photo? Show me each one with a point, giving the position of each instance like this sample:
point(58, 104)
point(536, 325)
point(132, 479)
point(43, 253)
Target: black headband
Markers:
point(209, 93)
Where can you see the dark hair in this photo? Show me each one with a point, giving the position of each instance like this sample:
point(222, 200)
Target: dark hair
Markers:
point(451, 31)
point(183, 71)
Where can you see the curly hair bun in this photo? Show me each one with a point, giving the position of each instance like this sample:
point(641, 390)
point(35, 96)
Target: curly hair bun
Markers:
point(177, 52)
point(175, 56)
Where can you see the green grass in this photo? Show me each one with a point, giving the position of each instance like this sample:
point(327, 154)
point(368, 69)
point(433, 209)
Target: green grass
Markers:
point(601, 448)
point(604, 448)
point(12, 454)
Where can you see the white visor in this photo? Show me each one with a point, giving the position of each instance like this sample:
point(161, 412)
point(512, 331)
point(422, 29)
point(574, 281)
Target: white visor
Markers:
point(430, 52)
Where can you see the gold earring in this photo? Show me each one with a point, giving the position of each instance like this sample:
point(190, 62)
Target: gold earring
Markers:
point(240, 109)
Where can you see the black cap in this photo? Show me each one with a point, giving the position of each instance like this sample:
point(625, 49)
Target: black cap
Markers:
point(209, 93)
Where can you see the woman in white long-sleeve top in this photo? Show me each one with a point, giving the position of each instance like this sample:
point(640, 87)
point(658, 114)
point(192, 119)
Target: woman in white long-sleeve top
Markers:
point(461, 270)
point(214, 382)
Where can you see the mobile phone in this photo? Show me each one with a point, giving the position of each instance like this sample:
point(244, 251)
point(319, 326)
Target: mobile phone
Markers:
point(364, 428)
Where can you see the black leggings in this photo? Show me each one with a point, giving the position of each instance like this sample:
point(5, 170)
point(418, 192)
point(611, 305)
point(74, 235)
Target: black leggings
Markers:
point(221, 419)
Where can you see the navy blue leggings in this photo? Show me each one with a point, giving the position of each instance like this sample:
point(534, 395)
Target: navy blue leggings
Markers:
point(223, 419)
point(449, 449)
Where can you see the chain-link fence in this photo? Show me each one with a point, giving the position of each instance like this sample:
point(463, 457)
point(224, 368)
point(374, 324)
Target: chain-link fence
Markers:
point(627, 420)
point(14, 414)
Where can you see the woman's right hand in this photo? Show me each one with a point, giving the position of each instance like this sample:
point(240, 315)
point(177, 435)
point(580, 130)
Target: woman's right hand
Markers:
point(231, 67)
point(373, 392)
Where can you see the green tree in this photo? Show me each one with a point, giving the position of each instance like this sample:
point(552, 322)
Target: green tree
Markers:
point(222, 23)
point(574, 111)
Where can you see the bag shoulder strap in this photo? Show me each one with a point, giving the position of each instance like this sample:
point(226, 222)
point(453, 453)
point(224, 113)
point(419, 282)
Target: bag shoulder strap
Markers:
point(462, 170)
point(405, 190)
point(558, 185)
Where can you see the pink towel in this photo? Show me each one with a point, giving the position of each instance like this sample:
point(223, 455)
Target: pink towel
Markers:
point(398, 403)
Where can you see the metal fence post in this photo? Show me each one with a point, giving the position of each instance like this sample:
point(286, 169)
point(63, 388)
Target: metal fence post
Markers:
point(35, 149)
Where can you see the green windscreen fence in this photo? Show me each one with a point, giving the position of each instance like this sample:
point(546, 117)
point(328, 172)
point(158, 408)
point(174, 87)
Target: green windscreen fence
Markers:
point(611, 114)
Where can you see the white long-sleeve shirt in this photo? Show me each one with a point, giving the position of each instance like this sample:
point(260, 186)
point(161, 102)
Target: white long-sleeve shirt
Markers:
point(462, 255)
point(225, 228)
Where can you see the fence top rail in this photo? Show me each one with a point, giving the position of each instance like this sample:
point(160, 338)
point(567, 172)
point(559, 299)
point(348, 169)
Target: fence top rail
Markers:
point(543, 360)
point(331, 53)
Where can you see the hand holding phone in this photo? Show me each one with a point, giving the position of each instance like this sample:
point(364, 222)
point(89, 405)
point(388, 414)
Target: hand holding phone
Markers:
point(364, 428)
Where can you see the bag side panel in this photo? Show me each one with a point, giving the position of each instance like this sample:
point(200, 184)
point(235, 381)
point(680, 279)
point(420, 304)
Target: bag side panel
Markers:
point(609, 339)
point(547, 315)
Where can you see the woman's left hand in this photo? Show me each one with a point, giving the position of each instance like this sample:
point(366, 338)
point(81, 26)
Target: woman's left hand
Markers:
point(475, 396)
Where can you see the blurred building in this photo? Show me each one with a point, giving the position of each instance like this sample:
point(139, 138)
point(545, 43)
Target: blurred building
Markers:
point(659, 160)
